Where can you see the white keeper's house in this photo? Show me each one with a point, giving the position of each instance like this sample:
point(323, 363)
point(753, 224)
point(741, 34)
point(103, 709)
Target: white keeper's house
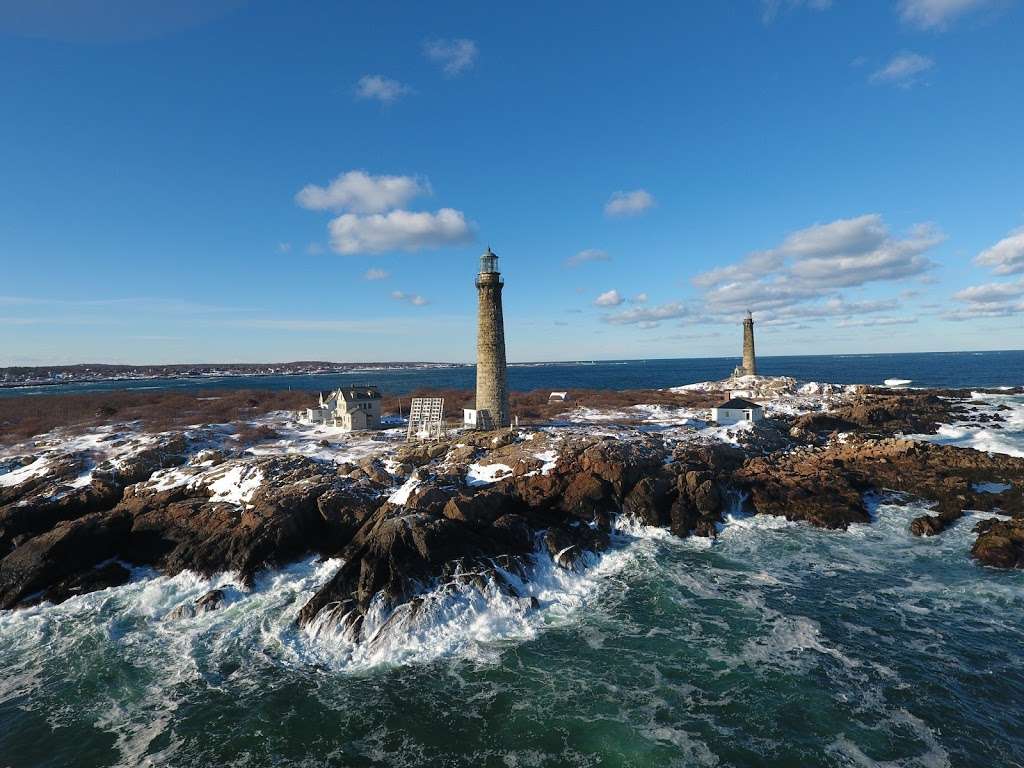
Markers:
point(736, 409)
point(351, 409)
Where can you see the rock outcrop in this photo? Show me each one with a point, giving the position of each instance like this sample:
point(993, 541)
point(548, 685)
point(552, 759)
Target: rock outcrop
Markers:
point(473, 509)
point(1000, 543)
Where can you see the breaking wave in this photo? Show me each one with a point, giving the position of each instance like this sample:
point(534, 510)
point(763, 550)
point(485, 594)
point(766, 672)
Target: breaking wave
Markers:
point(777, 644)
point(1006, 436)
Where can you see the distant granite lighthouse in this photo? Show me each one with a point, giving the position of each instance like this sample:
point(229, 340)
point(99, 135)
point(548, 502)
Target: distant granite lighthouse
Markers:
point(491, 370)
point(749, 359)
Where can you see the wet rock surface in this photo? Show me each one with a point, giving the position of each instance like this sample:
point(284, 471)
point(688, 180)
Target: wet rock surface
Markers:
point(1000, 543)
point(422, 515)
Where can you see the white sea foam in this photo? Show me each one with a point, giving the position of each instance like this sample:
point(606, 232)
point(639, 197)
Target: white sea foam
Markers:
point(1007, 439)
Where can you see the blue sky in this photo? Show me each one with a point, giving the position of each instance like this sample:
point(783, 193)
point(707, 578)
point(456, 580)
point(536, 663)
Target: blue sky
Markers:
point(220, 181)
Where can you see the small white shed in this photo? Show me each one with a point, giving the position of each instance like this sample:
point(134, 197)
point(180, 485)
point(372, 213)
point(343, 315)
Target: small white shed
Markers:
point(559, 397)
point(736, 409)
point(470, 417)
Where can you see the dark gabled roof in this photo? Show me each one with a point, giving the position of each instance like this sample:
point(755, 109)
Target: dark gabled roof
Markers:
point(738, 404)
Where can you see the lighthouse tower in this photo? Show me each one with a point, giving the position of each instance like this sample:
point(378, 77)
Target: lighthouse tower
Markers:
point(491, 369)
point(749, 359)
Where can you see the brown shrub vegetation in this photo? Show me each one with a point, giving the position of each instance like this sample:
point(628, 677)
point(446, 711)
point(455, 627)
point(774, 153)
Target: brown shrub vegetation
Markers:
point(25, 416)
point(158, 410)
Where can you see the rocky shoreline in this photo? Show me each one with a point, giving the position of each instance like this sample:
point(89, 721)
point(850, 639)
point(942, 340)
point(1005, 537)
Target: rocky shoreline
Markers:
point(478, 509)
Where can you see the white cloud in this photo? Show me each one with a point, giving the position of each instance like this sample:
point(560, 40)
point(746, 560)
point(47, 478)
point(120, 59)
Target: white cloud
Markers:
point(648, 317)
point(284, 247)
point(412, 298)
point(753, 267)
point(1005, 257)
point(985, 310)
point(903, 69)
point(988, 300)
point(892, 259)
point(376, 274)
point(991, 292)
point(802, 278)
point(380, 88)
point(868, 322)
point(817, 261)
point(455, 56)
point(859, 234)
point(359, 192)
point(586, 256)
point(608, 299)
point(398, 231)
point(628, 203)
point(936, 14)
point(640, 298)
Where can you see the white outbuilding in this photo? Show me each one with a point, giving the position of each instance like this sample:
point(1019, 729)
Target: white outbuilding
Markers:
point(350, 409)
point(736, 409)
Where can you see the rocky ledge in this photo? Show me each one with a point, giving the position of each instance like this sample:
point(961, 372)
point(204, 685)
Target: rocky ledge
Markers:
point(478, 509)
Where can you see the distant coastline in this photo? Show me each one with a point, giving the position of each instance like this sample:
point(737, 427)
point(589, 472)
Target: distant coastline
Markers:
point(50, 375)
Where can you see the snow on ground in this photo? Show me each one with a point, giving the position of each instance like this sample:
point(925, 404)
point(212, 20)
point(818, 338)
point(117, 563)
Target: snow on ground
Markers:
point(401, 496)
point(283, 434)
point(779, 395)
point(237, 485)
point(485, 474)
point(17, 476)
point(730, 434)
point(295, 437)
point(550, 459)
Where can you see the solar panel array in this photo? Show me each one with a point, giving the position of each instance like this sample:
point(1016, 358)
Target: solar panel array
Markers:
point(426, 418)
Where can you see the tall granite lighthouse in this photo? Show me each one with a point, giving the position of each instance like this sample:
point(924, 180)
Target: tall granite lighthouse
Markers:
point(491, 370)
point(749, 360)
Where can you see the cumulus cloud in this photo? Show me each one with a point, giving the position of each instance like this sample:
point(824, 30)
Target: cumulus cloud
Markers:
point(640, 298)
point(398, 231)
point(410, 298)
point(609, 299)
point(373, 222)
point(1005, 257)
point(805, 275)
point(991, 292)
point(629, 203)
point(359, 192)
point(753, 267)
point(892, 259)
point(988, 300)
point(380, 88)
point(586, 256)
point(376, 274)
point(648, 317)
point(455, 56)
point(903, 69)
point(814, 263)
point(936, 14)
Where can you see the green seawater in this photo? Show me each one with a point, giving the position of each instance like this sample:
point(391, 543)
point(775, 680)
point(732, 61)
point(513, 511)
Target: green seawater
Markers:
point(778, 645)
